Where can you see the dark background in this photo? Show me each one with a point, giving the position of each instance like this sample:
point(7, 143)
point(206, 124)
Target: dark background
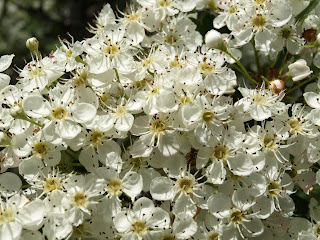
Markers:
point(45, 20)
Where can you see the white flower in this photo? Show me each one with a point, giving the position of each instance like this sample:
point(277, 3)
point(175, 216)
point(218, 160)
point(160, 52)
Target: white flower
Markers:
point(299, 70)
point(5, 62)
point(62, 110)
point(237, 213)
point(81, 192)
point(17, 213)
point(156, 133)
point(261, 103)
point(213, 39)
point(142, 222)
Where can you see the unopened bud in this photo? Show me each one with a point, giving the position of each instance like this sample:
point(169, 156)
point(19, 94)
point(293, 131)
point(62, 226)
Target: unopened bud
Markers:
point(299, 70)
point(213, 39)
point(32, 44)
point(277, 86)
point(318, 39)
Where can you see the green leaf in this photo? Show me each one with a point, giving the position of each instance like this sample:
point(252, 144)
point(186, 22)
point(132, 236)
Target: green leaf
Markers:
point(312, 5)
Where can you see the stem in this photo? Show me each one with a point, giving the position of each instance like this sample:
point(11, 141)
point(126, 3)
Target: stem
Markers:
point(243, 69)
point(257, 58)
point(238, 69)
point(25, 186)
point(117, 74)
point(303, 83)
point(23, 116)
point(72, 153)
point(276, 60)
point(79, 60)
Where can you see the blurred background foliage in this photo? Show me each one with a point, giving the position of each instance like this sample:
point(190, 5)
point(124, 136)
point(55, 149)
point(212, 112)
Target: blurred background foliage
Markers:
point(49, 19)
point(45, 20)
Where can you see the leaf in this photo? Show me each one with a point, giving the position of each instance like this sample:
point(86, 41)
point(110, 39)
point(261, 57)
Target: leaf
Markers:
point(301, 16)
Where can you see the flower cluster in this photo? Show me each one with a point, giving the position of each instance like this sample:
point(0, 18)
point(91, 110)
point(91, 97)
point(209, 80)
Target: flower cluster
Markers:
point(149, 130)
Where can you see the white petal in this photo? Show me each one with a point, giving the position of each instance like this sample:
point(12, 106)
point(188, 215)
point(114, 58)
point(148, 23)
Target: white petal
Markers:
point(184, 205)
point(219, 205)
point(162, 188)
point(5, 62)
point(312, 99)
point(32, 214)
point(169, 144)
point(68, 129)
point(160, 219)
point(10, 231)
point(4, 80)
point(98, 65)
point(89, 159)
point(125, 122)
point(184, 227)
point(216, 172)
point(240, 164)
point(132, 184)
point(121, 222)
point(36, 106)
point(144, 207)
point(143, 146)
point(83, 112)
point(253, 228)
point(9, 182)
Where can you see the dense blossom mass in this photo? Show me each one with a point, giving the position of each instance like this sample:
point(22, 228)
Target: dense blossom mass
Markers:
point(151, 130)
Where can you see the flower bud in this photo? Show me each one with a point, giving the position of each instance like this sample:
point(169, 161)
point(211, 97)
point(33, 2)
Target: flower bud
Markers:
point(213, 39)
point(299, 70)
point(32, 44)
point(277, 86)
point(318, 39)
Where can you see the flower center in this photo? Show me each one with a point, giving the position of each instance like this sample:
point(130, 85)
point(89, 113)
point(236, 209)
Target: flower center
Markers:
point(295, 125)
point(207, 116)
point(34, 70)
point(79, 232)
point(111, 50)
point(80, 199)
point(274, 188)
point(115, 187)
point(260, 2)
point(81, 79)
point(146, 62)
point(259, 99)
point(158, 126)
point(285, 33)
point(139, 228)
point(206, 68)
point(134, 17)
point(269, 143)
point(185, 184)
point(168, 237)
point(59, 113)
point(51, 184)
point(6, 216)
point(237, 216)
point(137, 163)
point(185, 99)
point(233, 9)
point(96, 138)
point(67, 52)
point(172, 38)
point(164, 3)
point(40, 149)
point(221, 153)
point(121, 110)
point(175, 63)
point(259, 21)
point(213, 236)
